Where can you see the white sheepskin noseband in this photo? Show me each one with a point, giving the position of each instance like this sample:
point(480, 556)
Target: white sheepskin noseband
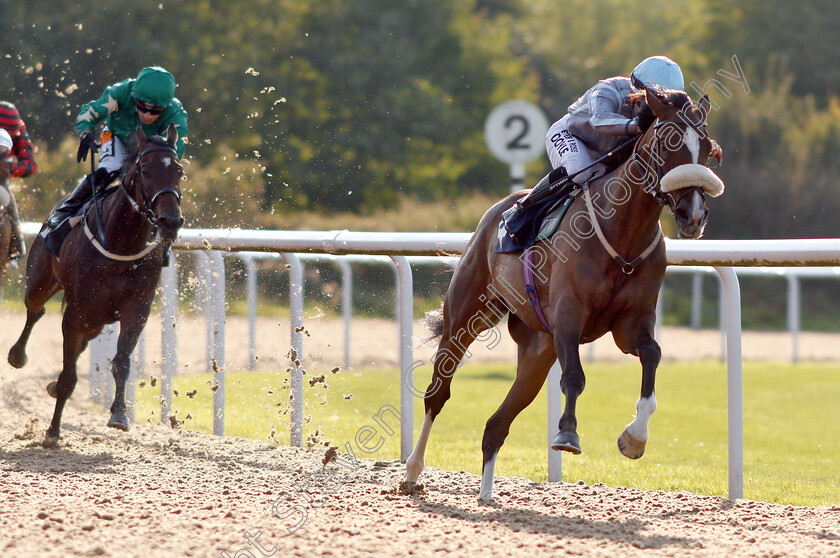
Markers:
point(686, 176)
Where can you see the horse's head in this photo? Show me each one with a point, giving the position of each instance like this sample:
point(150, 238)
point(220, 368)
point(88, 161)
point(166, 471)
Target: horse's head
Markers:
point(675, 150)
point(156, 180)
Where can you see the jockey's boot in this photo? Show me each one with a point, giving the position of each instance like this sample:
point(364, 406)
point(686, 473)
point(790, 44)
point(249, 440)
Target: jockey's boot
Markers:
point(551, 184)
point(102, 177)
point(17, 248)
point(71, 203)
point(58, 225)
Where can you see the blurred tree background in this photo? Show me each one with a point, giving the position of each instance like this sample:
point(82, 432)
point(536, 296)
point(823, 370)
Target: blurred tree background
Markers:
point(353, 106)
point(356, 111)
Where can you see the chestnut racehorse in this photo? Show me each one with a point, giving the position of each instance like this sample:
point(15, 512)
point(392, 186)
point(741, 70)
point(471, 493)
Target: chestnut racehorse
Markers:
point(600, 272)
point(110, 279)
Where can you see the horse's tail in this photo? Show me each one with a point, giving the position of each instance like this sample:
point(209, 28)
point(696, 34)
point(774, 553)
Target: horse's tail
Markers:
point(433, 320)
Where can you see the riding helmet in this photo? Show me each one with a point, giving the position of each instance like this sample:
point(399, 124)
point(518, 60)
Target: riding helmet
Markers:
point(657, 71)
point(154, 86)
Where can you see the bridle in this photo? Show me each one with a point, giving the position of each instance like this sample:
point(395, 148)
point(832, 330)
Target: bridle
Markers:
point(652, 169)
point(149, 201)
point(147, 211)
point(653, 187)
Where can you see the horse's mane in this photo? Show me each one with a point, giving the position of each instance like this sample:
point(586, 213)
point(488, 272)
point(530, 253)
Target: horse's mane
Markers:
point(133, 149)
point(670, 97)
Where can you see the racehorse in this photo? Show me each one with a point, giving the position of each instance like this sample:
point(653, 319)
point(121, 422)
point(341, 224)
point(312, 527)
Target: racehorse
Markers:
point(109, 279)
point(5, 219)
point(600, 272)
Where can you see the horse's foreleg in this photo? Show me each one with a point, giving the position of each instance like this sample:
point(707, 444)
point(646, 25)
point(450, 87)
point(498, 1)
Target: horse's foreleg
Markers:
point(572, 382)
point(17, 354)
point(632, 441)
point(63, 388)
point(120, 368)
point(534, 358)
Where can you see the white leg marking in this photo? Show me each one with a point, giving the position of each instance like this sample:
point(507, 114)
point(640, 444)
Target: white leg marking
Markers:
point(486, 490)
point(414, 464)
point(645, 407)
point(691, 139)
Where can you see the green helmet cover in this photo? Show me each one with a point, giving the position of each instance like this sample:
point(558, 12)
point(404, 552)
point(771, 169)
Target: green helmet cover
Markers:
point(155, 86)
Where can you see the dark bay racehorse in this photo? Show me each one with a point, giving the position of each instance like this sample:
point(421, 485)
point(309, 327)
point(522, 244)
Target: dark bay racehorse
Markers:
point(600, 272)
point(110, 279)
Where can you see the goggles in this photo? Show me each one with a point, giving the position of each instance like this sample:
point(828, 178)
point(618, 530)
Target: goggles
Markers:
point(151, 109)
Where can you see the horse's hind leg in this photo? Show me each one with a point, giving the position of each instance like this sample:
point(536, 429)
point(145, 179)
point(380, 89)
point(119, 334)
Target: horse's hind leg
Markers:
point(41, 285)
point(465, 318)
point(534, 359)
point(74, 343)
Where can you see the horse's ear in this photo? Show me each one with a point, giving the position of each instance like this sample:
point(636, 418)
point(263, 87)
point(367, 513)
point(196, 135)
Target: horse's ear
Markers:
point(141, 137)
point(704, 105)
point(653, 101)
point(172, 135)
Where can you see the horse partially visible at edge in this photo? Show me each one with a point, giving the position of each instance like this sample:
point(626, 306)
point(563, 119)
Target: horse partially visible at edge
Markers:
point(5, 219)
point(109, 279)
point(600, 272)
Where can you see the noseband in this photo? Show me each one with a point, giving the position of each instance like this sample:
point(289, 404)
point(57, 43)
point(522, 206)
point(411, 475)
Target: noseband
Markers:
point(653, 170)
point(149, 201)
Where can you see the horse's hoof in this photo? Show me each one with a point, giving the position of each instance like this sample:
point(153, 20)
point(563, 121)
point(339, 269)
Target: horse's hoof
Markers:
point(491, 499)
point(119, 421)
point(52, 389)
point(17, 358)
point(566, 441)
point(50, 441)
point(630, 446)
point(410, 487)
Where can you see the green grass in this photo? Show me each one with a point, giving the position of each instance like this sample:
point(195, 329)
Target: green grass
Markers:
point(791, 424)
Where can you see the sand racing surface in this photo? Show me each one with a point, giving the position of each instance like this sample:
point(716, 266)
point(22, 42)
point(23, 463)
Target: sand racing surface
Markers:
point(156, 491)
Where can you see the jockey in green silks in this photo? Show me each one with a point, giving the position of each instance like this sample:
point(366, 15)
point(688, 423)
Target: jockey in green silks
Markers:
point(147, 101)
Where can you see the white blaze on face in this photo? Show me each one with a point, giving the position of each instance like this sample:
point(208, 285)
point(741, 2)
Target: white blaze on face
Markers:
point(166, 161)
point(698, 210)
point(691, 139)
